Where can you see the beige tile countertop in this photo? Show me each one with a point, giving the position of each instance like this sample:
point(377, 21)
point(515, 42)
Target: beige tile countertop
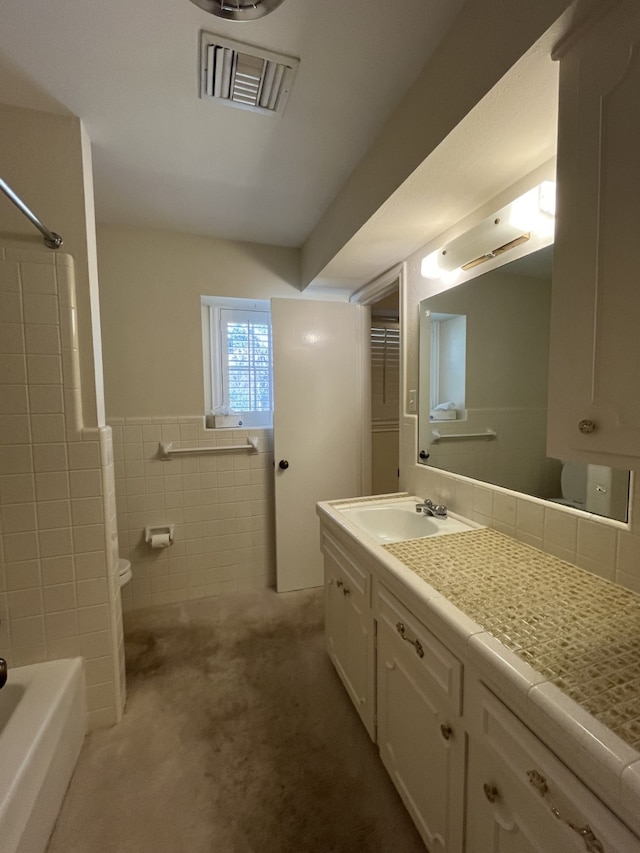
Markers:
point(582, 633)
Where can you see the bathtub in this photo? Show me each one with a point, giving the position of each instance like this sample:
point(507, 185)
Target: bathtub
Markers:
point(42, 726)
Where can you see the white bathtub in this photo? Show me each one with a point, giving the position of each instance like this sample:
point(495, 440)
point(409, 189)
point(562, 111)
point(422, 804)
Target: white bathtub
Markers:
point(42, 726)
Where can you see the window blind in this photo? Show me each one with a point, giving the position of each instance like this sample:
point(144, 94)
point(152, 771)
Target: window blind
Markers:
point(385, 374)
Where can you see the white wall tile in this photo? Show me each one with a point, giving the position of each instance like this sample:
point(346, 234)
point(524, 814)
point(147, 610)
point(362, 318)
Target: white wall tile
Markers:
point(50, 457)
point(54, 543)
point(53, 514)
point(597, 542)
point(12, 338)
point(52, 486)
point(43, 340)
point(17, 488)
point(16, 459)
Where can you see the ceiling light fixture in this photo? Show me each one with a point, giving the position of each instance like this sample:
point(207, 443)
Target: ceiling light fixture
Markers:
point(238, 10)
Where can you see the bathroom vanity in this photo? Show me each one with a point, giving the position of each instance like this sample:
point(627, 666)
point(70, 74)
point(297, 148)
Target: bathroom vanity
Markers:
point(500, 684)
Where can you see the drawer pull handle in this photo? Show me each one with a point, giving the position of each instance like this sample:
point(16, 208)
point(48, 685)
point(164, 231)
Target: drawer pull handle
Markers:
point(446, 731)
point(591, 843)
point(490, 792)
point(415, 643)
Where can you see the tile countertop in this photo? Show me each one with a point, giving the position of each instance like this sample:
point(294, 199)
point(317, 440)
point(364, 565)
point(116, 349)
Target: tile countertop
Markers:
point(582, 633)
point(563, 642)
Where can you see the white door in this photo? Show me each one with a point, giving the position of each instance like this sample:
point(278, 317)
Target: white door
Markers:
point(321, 419)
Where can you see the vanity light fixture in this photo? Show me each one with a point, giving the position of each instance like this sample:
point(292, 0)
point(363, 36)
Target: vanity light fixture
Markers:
point(529, 216)
point(535, 210)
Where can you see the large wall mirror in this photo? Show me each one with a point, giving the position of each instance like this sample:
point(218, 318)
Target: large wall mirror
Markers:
point(484, 358)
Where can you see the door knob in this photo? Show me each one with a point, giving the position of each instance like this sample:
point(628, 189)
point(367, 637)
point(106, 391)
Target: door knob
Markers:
point(283, 464)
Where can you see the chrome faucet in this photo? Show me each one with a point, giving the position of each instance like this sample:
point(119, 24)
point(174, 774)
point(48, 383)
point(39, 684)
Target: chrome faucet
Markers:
point(429, 508)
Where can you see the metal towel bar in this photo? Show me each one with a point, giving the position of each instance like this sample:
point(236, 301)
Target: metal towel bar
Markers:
point(167, 450)
point(51, 239)
point(436, 436)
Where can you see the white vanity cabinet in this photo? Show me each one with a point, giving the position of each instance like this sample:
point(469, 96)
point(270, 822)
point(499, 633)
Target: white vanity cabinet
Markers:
point(594, 410)
point(521, 799)
point(349, 627)
point(438, 698)
point(420, 735)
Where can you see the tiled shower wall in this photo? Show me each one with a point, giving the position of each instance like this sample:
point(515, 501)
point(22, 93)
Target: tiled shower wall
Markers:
point(221, 504)
point(58, 536)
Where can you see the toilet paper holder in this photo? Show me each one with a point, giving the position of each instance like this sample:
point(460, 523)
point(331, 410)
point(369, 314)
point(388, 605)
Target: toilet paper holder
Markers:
point(160, 536)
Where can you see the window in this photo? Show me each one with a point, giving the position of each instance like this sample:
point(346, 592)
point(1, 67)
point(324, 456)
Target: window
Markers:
point(448, 366)
point(237, 358)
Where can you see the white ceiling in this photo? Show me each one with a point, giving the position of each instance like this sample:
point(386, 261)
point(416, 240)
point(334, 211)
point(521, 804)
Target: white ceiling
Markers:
point(165, 158)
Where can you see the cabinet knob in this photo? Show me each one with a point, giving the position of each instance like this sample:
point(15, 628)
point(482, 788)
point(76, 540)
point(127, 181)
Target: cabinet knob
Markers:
point(586, 426)
point(490, 792)
point(339, 584)
point(283, 464)
point(446, 731)
point(346, 591)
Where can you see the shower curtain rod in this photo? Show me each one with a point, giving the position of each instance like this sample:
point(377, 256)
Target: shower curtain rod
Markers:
point(51, 239)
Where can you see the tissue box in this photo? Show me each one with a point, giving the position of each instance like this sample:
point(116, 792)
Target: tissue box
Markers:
point(228, 421)
point(442, 415)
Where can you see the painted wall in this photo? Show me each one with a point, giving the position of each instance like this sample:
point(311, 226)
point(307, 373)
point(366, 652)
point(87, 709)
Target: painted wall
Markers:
point(221, 505)
point(151, 282)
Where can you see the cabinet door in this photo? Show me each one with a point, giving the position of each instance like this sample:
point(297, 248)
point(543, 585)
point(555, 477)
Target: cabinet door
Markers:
point(421, 739)
point(514, 784)
point(594, 363)
point(349, 629)
point(494, 822)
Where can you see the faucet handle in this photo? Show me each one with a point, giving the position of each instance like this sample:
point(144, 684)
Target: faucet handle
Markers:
point(428, 502)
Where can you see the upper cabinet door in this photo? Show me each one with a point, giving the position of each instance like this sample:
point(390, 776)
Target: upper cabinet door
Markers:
point(594, 387)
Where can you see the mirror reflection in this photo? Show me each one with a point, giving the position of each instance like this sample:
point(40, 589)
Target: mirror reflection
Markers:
point(484, 359)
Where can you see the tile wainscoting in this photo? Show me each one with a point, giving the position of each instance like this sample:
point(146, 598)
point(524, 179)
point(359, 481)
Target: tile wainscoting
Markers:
point(220, 503)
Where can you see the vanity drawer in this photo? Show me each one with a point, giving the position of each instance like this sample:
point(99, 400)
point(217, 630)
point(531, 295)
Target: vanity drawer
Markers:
point(518, 788)
point(428, 655)
point(357, 578)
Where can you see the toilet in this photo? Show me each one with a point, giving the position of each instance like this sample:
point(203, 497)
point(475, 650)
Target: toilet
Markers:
point(123, 570)
point(573, 485)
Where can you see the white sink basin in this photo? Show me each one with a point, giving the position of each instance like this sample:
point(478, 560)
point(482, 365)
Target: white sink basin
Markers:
point(397, 520)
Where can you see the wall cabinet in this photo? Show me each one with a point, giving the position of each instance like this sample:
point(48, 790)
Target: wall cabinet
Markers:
point(420, 734)
point(349, 628)
point(594, 410)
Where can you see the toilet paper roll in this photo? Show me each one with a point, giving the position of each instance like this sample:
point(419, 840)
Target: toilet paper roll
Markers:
point(160, 540)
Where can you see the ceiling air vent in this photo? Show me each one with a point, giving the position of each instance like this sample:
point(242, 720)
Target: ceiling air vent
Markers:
point(244, 76)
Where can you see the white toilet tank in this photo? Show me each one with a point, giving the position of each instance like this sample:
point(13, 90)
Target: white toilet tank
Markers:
point(573, 484)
